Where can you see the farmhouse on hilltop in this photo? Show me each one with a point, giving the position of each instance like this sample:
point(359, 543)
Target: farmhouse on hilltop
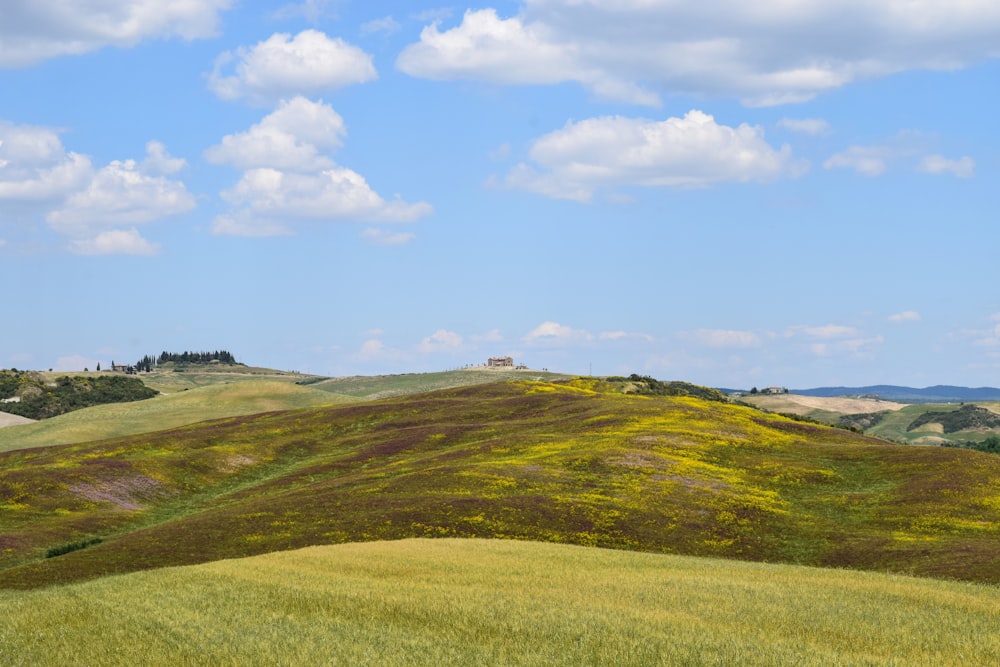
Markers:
point(500, 362)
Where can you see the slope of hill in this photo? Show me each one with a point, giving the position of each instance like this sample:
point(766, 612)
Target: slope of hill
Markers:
point(210, 401)
point(475, 602)
point(373, 387)
point(537, 461)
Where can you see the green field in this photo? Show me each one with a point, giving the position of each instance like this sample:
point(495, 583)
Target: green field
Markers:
point(474, 602)
point(566, 462)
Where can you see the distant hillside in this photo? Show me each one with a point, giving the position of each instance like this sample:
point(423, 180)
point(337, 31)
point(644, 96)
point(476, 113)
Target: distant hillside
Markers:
point(935, 394)
point(572, 462)
point(29, 394)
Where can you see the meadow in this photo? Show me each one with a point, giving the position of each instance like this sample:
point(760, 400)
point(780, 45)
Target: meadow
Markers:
point(488, 602)
point(566, 462)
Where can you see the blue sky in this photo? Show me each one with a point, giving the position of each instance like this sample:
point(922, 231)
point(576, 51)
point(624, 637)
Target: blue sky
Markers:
point(785, 193)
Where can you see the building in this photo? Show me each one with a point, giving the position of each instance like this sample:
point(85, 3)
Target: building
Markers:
point(500, 362)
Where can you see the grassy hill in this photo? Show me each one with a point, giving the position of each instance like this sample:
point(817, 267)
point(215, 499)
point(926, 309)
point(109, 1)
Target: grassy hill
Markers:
point(195, 393)
point(917, 424)
point(203, 402)
point(373, 387)
point(473, 602)
point(538, 461)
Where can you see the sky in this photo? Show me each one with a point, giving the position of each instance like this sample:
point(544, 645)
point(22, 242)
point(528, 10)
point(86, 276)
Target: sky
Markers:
point(797, 193)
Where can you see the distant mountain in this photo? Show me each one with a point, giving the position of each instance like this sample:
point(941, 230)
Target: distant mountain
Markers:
point(936, 394)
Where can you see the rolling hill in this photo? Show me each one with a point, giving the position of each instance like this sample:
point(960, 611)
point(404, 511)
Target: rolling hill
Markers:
point(569, 462)
point(477, 602)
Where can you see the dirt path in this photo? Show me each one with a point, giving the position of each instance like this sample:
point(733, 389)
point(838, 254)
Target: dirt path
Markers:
point(7, 419)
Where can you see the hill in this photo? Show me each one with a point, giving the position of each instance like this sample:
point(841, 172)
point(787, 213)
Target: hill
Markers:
point(30, 395)
point(888, 392)
point(473, 602)
point(559, 462)
point(169, 410)
point(192, 393)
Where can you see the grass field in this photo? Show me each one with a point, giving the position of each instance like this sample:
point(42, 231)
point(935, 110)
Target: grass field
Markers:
point(385, 386)
point(475, 602)
point(249, 395)
point(524, 460)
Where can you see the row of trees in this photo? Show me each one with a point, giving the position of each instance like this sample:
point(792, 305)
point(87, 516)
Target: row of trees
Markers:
point(148, 362)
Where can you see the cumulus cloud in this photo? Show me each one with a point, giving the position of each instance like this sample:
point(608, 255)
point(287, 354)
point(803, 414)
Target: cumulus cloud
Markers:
point(440, 341)
point(284, 66)
point(905, 316)
point(288, 177)
point(553, 333)
point(762, 53)
point(89, 206)
point(34, 31)
point(963, 167)
point(811, 126)
point(294, 136)
point(122, 193)
point(382, 237)
point(693, 151)
point(35, 167)
point(115, 242)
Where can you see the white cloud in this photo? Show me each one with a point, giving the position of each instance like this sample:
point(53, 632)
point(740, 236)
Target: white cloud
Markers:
point(723, 338)
point(763, 53)
point(291, 137)
point(41, 29)
point(624, 336)
point(86, 205)
point(905, 316)
point(693, 151)
point(115, 242)
point(855, 347)
point(553, 333)
point(386, 24)
point(907, 145)
point(289, 178)
point(964, 167)
point(121, 193)
point(159, 162)
point(811, 126)
point(265, 197)
point(372, 349)
point(35, 167)
point(867, 160)
point(825, 331)
point(282, 67)
point(440, 341)
point(382, 237)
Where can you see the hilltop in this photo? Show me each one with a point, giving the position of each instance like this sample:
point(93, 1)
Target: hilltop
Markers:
point(573, 462)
